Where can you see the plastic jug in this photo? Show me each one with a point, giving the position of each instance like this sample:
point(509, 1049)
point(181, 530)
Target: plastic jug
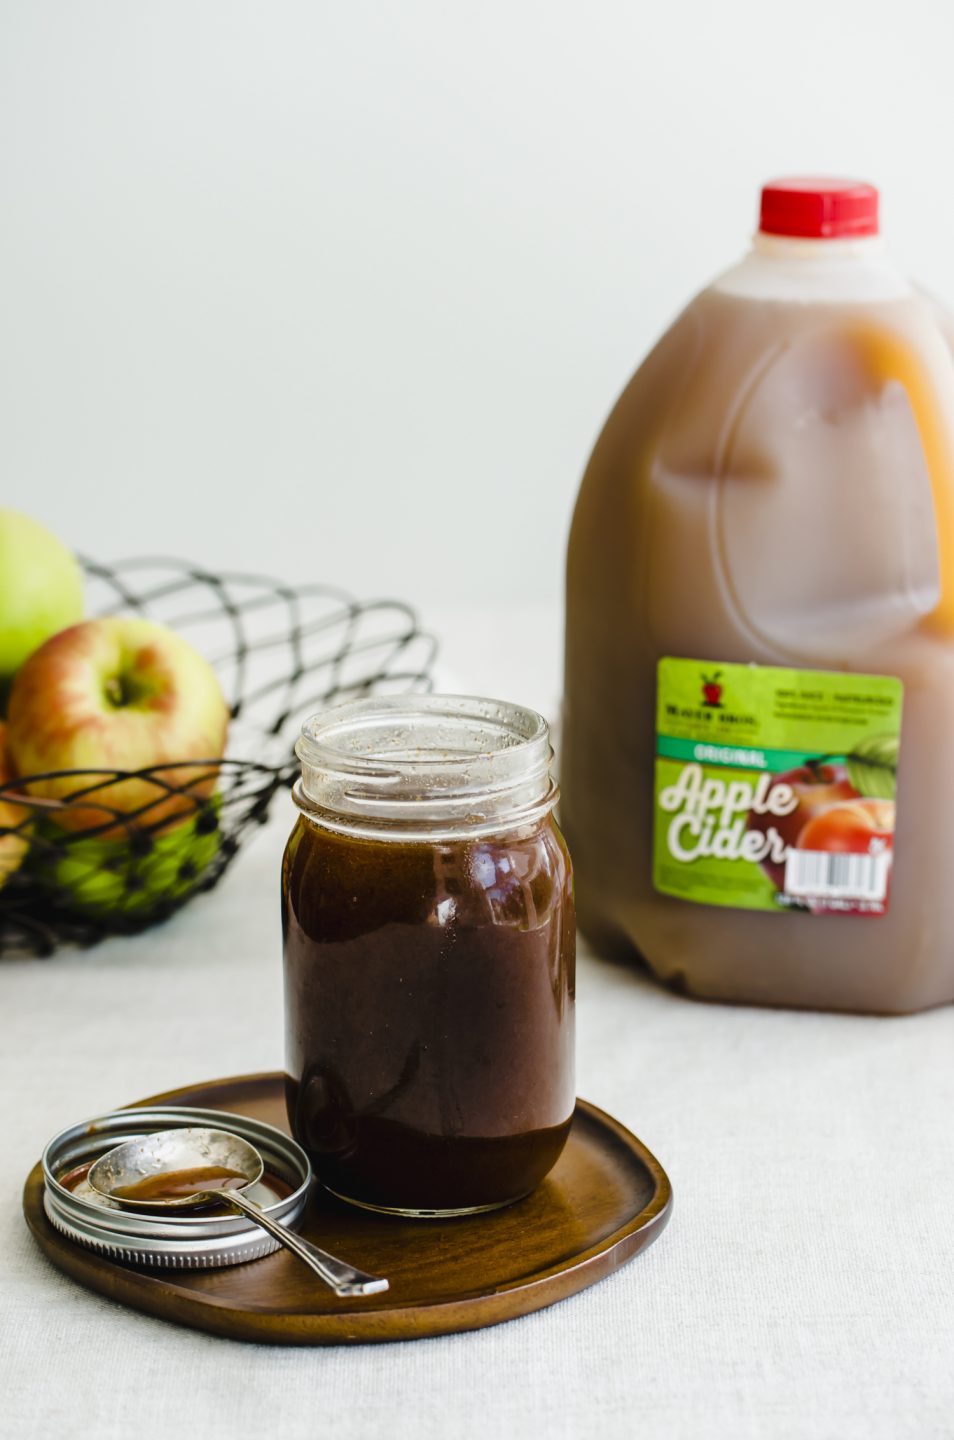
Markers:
point(757, 768)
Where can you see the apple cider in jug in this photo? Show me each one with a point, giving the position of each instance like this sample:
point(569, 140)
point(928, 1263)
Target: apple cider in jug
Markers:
point(758, 787)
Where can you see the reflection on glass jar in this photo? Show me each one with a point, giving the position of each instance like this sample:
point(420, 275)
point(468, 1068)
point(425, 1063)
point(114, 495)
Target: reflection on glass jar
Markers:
point(429, 955)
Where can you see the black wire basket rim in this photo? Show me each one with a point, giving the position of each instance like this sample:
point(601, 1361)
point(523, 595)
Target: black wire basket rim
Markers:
point(134, 820)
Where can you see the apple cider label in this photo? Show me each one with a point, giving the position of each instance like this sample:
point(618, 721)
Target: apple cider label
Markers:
point(775, 789)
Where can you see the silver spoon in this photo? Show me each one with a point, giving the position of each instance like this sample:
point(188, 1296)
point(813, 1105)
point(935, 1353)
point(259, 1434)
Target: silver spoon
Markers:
point(140, 1165)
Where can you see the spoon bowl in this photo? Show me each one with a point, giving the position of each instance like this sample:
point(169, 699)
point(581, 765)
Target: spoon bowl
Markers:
point(188, 1152)
point(182, 1169)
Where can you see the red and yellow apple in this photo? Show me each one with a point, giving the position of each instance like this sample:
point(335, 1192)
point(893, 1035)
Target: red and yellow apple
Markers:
point(117, 694)
point(13, 818)
point(816, 787)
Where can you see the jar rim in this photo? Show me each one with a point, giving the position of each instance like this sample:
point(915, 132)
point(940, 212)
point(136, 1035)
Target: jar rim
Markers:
point(413, 762)
point(317, 741)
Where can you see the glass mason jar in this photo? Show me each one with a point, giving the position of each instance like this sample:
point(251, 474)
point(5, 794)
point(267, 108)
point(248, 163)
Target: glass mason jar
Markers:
point(429, 944)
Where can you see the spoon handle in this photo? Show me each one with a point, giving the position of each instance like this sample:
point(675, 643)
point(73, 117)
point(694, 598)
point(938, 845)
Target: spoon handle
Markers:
point(344, 1279)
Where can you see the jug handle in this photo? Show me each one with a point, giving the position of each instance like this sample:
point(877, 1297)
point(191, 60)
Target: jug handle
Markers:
point(886, 357)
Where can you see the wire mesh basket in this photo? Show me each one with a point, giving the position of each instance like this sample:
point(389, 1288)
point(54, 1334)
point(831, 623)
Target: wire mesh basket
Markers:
point(280, 652)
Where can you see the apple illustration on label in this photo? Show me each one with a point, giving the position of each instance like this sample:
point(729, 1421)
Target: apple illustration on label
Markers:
point(13, 836)
point(41, 590)
point(118, 694)
point(712, 690)
point(852, 827)
point(817, 786)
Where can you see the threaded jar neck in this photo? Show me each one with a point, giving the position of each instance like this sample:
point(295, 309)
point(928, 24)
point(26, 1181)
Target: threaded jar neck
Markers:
point(424, 766)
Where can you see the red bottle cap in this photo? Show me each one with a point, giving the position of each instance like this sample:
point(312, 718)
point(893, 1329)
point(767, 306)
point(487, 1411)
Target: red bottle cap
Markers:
point(819, 209)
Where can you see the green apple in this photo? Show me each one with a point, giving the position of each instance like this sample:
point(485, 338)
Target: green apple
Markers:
point(100, 878)
point(118, 694)
point(41, 590)
point(13, 819)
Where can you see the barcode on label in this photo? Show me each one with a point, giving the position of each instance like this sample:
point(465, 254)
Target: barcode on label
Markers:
point(822, 875)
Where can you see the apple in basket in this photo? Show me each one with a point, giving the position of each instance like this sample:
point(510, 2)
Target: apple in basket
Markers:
point(13, 840)
point(110, 878)
point(41, 590)
point(117, 694)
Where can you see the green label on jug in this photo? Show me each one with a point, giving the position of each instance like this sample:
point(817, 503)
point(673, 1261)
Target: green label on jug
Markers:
point(775, 789)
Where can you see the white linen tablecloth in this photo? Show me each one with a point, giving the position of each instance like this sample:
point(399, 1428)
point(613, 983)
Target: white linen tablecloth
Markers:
point(804, 1287)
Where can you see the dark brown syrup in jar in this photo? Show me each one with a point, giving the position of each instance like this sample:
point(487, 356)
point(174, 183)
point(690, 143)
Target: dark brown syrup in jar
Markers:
point(429, 990)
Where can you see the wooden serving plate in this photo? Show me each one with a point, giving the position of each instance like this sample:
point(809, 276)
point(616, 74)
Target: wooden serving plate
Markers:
point(607, 1199)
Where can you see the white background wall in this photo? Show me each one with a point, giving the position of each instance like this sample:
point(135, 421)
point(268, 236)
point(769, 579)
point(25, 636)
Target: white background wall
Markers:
point(344, 290)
